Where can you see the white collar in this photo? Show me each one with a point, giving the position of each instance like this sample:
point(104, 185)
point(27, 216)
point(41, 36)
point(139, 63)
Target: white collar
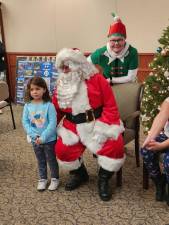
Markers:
point(112, 55)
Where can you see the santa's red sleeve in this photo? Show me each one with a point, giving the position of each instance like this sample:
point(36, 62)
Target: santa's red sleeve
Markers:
point(109, 124)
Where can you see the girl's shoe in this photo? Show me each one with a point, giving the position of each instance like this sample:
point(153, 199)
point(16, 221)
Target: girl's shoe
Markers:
point(53, 184)
point(42, 184)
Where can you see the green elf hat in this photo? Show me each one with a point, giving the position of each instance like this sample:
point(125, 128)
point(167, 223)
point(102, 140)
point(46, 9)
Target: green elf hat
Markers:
point(117, 28)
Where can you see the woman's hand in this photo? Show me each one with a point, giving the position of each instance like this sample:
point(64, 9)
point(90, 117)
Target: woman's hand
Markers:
point(147, 141)
point(155, 146)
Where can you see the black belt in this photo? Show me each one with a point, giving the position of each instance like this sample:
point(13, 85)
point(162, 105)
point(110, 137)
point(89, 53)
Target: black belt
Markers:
point(88, 116)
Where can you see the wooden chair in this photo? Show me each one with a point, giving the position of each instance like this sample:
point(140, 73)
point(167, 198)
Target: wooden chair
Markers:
point(128, 98)
point(5, 100)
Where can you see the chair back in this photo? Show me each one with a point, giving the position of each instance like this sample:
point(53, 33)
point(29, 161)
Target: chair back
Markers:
point(127, 96)
point(5, 100)
point(4, 91)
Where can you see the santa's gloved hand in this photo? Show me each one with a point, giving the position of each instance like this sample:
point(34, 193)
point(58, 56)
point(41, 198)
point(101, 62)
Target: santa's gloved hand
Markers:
point(100, 138)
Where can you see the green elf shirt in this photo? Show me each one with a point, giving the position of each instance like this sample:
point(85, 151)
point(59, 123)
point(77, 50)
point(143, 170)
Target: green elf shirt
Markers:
point(118, 68)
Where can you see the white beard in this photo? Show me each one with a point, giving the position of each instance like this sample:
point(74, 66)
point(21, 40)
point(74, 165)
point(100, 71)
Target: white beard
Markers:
point(67, 87)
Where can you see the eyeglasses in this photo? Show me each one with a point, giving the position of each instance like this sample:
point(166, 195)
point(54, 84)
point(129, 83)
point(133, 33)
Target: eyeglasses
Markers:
point(64, 67)
point(117, 40)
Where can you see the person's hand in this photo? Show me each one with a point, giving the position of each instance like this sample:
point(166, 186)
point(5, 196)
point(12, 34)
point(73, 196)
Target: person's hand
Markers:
point(146, 142)
point(154, 146)
point(38, 141)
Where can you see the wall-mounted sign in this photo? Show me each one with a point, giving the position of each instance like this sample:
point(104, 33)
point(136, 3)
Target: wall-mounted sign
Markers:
point(30, 66)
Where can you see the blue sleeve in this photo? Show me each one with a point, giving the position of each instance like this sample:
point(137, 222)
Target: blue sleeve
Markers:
point(26, 122)
point(51, 128)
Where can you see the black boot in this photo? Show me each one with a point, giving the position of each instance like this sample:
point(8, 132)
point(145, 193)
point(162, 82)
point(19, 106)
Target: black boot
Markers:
point(77, 178)
point(160, 183)
point(105, 192)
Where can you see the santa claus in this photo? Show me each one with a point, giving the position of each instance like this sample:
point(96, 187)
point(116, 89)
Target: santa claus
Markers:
point(88, 119)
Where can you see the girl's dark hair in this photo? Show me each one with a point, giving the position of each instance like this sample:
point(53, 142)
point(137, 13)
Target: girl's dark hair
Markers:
point(40, 82)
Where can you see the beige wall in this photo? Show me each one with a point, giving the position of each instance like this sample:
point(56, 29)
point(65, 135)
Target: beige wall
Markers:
point(47, 26)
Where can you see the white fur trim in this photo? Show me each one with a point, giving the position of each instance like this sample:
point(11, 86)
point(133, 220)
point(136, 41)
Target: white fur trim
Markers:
point(117, 19)
point(111, 131)
point(80, 102)
point(85, 131)
point(76, 60)
point(112, 165)
point(70, 165)
point(68, 137)
point(66, 54)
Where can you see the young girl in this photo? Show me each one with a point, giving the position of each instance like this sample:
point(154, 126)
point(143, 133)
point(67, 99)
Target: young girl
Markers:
point(157, 142)
point(39, 122)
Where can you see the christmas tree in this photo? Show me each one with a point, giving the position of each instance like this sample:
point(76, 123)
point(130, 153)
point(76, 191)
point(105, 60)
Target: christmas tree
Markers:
point(156, 86)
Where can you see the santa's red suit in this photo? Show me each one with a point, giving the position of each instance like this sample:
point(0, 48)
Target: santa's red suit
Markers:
point(101, 136)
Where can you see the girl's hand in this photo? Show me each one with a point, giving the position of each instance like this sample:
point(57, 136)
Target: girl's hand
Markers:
point(38, 141)
point(155, 146)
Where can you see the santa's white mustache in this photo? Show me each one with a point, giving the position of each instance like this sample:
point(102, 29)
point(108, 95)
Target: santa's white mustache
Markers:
point(71, 76)
point(67, 87)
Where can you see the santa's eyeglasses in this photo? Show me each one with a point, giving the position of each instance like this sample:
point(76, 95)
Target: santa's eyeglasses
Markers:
point(64, 67)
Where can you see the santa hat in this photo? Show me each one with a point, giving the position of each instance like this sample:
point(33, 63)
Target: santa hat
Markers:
point(67, 55)
point(117, 28)
point(75, 60)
